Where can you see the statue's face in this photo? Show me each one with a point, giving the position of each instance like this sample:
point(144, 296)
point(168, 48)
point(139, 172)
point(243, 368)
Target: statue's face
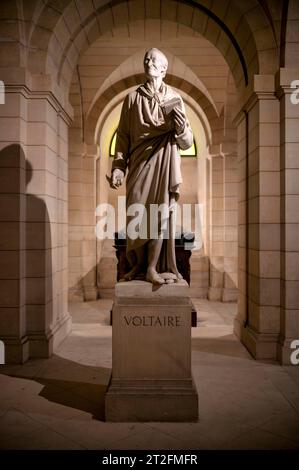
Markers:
point(154, 64)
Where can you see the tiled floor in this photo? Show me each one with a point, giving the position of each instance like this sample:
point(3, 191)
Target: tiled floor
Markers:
point(58, 403)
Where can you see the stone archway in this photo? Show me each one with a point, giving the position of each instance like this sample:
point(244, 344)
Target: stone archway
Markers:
point(228, 26)
point(250, 279)
point(39, 65)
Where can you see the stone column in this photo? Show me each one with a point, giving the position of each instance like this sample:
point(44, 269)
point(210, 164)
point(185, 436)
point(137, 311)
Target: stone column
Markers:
point(216, 228)
point(48, 320)
point(76, 150)
point(34, 315)
point(82, 255)
point(242, 142)
point(258, 321)
point(230, 248)
point(89, 240)
point(12, 227)
point(289, 180)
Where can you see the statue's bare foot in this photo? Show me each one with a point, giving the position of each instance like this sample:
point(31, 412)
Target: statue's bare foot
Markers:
point(153, 277)
point(178, 275)
point(133, 273)
point(168, 276)
point(174, 276)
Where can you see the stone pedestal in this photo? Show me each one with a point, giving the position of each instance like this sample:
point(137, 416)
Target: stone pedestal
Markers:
point(151, 354)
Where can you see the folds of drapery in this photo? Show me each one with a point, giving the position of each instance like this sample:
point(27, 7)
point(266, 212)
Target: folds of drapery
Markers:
point(147, 148)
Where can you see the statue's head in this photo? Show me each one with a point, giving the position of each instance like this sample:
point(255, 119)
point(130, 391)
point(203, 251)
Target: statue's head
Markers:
point(155, 63)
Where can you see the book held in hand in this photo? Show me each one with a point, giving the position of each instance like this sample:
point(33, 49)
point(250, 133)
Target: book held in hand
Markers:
point(167, 107)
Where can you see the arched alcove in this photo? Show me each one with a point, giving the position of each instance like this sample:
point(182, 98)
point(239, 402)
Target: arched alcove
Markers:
point(232, 48)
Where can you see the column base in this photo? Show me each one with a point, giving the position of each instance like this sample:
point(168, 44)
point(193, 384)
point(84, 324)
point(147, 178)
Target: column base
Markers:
point(43, 344)
point(215, 294)
point(229, 295)
point(62, 330)
point(16, 349)
point(75, 295)
point(260, 345)
point(90, 293)
point(151, 400)
point(104, 293)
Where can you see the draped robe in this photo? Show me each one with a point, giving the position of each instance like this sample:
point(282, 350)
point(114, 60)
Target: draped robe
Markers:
point(147, 146)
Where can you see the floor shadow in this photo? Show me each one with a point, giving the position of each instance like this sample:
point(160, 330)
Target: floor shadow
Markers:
point(79, 395)
point(226, 345)
point(69, 384)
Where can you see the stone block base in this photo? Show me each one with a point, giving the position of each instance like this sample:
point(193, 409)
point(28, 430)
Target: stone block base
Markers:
point(62, 330)
point(151, 354)
point(260, 345)
point(106, 293)
point(42, 345)
point(36, 344)
point(16, 350)
point(152, 401)
point(215, 294)
point(90, 293)
point(75, 295)
point(229, 295)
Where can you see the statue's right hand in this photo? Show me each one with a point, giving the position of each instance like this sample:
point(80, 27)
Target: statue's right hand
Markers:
point(117, 178)
point(179, 120)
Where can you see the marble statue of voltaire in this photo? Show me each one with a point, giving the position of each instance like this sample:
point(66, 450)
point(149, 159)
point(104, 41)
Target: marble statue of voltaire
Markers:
point(152, 128)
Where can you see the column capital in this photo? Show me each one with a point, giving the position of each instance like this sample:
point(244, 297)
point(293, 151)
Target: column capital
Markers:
point(262, 88)
point(91, 150)
point(222, 149)
point(229, 148)
point(37, 86)
point(215, 150)
point(283, 80)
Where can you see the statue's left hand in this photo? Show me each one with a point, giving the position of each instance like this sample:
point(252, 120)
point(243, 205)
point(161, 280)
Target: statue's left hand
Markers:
point(179, 120)
point(117, 178)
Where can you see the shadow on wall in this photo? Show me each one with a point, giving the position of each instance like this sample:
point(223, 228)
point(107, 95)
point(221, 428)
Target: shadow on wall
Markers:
point(26, 297)
point(39, 273)
point(85, 288)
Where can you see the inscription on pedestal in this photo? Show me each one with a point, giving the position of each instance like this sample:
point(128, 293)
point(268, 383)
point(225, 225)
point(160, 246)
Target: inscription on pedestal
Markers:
point(152, 320)
point(151, 355)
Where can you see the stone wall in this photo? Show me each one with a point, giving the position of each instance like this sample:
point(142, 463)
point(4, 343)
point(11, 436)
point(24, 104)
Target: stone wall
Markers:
point(34, 210)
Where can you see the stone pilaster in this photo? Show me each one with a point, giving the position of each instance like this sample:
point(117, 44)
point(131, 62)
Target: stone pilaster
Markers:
point(289, 229)
point(34, 151)
point(258, 322)
point(48, 320)
point(12, 228)
point(216, 227)
point(82, 254)
point(230, 248)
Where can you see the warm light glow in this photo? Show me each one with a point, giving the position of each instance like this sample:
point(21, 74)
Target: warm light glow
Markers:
point(112, 145)
point(191, 152)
